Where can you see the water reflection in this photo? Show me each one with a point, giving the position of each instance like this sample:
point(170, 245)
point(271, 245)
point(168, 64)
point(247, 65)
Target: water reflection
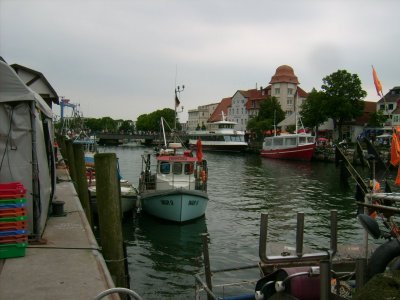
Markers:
point(163, 256)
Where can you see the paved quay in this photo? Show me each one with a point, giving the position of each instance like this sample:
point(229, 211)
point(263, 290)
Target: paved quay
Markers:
point(68, 266)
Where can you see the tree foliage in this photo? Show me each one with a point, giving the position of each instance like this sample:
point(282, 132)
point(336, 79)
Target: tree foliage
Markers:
point(313, 111)
point(270, 113)
point(377, 119)
point(343, 97)
point(151, 121)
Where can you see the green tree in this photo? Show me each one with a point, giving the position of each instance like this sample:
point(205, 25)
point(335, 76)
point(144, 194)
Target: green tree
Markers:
point(343, 97)
point(126, 126)
point(151, 121)
point(377, 119)
point(313, 110)
point(93, 124)
point(107, 124)
point(269, 115)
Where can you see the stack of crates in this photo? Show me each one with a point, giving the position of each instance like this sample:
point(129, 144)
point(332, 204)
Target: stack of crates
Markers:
point(13, 220)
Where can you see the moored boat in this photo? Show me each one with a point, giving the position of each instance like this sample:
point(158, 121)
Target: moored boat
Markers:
point(221, 137)
point(297, 146)
point(128, 196)
point(294, 146)
point(173, 184)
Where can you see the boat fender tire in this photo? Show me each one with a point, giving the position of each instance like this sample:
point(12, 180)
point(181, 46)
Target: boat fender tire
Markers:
point(382, 256)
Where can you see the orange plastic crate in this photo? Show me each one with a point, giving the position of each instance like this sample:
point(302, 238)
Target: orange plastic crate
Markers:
point(12, 212)
point(13, 225)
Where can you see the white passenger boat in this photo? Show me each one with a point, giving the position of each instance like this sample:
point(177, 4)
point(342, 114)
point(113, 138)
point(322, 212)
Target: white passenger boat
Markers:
point(221, 137)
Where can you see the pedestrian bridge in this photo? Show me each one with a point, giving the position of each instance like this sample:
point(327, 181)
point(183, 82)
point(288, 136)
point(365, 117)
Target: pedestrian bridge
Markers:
point(146, 138)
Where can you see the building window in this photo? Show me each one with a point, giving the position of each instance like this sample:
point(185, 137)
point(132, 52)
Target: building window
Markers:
point(382, 107)
point(277, 91)
point(289, 101)
point(290, 91)
point(390, 106)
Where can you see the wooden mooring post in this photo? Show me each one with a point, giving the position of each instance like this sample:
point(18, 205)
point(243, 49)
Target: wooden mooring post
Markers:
point(109, 213)
point(81, 180)
point(71, 161)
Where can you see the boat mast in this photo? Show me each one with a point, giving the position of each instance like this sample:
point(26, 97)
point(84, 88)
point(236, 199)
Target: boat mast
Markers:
point(163, 131)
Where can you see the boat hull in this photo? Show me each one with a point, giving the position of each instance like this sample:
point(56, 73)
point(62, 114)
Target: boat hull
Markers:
point(303, 152)
point(128, 199)
point(178, 205)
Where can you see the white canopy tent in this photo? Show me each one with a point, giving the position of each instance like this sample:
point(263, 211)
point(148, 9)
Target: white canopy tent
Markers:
point(26, 146)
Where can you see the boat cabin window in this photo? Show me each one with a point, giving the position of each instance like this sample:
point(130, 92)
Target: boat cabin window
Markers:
point(302, 140)
point(278, 142)
point(165, 167)
point(177, 168)
point(268, 142)
point(310, 139)
point(189, 169)
point(291, 141)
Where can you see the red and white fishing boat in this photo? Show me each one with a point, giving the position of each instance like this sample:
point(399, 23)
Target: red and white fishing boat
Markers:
point(295, 146)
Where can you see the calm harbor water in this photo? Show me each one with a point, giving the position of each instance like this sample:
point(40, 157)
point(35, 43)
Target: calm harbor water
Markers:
point(163, 257)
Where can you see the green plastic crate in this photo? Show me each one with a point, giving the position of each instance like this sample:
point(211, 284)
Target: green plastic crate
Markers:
point(12, 250)
point(14, 219)
point(12, 201)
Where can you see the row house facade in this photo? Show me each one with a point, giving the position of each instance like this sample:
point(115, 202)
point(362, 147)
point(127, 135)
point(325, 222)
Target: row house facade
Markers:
point(389, 105)
point(245, 104)
point(199, 117)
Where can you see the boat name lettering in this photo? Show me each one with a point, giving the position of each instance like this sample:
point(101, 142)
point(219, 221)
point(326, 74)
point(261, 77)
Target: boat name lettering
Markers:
point(167, 202)
point(193, 202)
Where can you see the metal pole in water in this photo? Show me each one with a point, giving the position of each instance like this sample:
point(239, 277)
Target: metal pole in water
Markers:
point(109, 212)
point(300, 234)
point(333, 231)
point(325, 279)
point(207, 268)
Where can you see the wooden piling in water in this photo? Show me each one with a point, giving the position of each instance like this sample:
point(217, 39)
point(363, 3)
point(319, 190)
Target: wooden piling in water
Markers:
point(81, 180)
point(71, 161)
point(109, 213)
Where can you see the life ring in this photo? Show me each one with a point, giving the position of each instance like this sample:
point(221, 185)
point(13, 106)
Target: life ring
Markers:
point(382, 256)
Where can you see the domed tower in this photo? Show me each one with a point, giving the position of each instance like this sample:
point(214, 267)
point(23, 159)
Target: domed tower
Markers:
point(283, 87)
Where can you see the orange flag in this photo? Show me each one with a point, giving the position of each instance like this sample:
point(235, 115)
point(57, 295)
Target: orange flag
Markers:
point(394, 150)
point(377, 83)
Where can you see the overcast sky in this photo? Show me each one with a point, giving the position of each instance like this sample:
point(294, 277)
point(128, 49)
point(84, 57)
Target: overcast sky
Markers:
point(124, 58)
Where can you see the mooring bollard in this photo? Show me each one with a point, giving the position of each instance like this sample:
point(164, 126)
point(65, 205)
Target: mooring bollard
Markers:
point(81, 180)
point(109, 213)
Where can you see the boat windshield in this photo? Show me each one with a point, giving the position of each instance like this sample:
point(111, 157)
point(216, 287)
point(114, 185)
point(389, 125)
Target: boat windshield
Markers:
point(233, 138)
point(177, 168)
point(165, 167)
